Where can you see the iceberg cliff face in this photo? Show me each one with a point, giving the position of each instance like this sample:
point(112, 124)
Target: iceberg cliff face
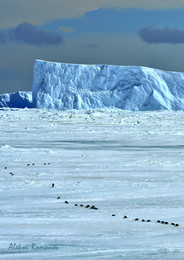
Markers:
point(19, 99)
point(73, 86)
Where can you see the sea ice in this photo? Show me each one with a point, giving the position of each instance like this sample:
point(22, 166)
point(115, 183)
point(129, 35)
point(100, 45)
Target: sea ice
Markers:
point(123, 162)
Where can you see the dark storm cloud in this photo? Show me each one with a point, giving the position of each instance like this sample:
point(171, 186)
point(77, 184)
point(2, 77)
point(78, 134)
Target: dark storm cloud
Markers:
point(30, 34)
point(167, 35)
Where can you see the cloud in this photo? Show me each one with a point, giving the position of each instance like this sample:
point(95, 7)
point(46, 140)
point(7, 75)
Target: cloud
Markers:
point(93, 46)
point(34, 11)
point(89, 46)
point(167, 35)
point(66, 29)
point(30, 34)
point(117, 21)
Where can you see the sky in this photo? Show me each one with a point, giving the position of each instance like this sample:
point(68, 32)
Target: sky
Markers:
point(130, 33)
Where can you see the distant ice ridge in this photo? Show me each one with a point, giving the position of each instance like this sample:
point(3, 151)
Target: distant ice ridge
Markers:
point(73, 86)
point(19, 99)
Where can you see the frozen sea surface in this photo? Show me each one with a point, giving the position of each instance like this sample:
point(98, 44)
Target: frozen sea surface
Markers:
point(124, 163)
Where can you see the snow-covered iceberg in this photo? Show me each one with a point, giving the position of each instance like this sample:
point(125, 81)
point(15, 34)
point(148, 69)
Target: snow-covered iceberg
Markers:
point(19, 99)
point(73, 86)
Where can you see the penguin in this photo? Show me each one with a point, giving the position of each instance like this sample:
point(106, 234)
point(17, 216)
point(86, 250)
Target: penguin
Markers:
point(113, 215)
point(33, 163)
point(76, 205)
point(166, 223)
point(81, 205)
point(87, 206)
point(53, 185)
point(28, 164)
point(125, 217)
point(158, 221)
point(58, 198)
point(66, 202)
point(162, 222)
point(5, 167)
point(173, 224)
point(148, 220)
point(143, 220)
point(177, 225)
point(49, 163)
point(44, 164)
point(136, 219)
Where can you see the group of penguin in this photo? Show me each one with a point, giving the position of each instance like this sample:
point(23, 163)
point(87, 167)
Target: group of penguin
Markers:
point(81, 205)
point(113, 215)
point(95, 208)
point(29, 164)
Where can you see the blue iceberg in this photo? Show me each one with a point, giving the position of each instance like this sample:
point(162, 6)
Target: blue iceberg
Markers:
point(73, 86)
point(20, 99)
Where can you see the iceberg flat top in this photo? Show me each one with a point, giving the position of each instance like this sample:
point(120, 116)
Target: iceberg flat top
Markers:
point(77, 86)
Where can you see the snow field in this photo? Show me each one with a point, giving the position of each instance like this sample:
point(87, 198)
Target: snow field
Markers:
point(124, 163)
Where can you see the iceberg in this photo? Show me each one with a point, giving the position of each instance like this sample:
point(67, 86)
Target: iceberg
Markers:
point(20, 99)
point(64, 86)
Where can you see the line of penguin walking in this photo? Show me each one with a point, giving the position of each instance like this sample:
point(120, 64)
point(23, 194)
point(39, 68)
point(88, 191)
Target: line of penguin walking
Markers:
point(95, 208)
point(125, 217)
